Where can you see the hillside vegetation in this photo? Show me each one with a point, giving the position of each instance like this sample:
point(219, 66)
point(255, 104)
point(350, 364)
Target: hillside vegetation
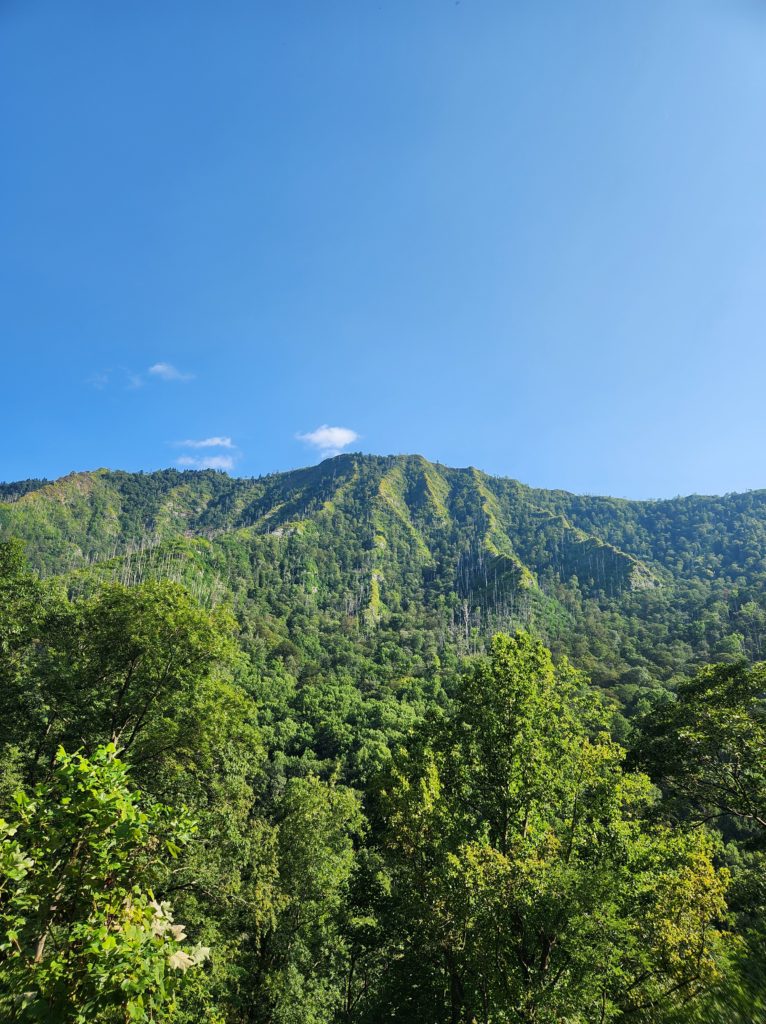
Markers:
point(393, 741)
point(374, 548)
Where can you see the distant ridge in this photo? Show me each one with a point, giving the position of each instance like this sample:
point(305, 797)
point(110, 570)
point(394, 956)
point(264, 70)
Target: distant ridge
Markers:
point(365, 538)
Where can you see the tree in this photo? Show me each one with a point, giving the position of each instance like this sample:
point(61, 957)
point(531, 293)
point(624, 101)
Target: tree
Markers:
point(527, 884)
point(299, 957)
point(24, 605)
point(83, 940)
point(707, 747)
point(129, 666)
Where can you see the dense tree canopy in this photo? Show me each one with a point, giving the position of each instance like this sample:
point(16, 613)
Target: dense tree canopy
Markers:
point(707, 746)
point(277, 708)
point(530, 885)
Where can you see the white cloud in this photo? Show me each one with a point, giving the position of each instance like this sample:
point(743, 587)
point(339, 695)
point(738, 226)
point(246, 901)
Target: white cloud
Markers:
point(99, 380)
point(206, 461)
point(207, 442)
point(329, 441)
point(166, 371)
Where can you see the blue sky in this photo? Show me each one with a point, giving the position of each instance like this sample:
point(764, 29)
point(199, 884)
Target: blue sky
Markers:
point(524, 235)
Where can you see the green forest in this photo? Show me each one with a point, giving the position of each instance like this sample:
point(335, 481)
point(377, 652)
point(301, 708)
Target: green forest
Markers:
point(380, 740)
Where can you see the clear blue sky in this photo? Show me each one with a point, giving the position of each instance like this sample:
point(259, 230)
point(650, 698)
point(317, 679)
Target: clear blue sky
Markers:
point(524, 235)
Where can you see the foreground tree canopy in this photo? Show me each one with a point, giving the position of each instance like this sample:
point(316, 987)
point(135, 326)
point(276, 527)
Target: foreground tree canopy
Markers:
point(82, 936)
point(481, 851)
point(530, 884)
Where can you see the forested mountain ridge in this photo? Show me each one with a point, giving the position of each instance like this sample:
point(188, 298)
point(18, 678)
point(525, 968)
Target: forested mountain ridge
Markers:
point(289, 713)
point(374, 545)
point(87, 516)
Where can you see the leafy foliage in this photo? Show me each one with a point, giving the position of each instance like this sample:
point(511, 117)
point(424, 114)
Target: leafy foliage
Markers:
point(83, 939)
point(396, 816)
point(707, 746)
point(530, 886)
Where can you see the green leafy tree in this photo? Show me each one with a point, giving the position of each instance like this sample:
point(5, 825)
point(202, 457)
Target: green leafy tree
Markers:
point(128, 666)
point(299, 957)
point(707, 748)
point(527, 884)
point(25, 603)
point(82, 937)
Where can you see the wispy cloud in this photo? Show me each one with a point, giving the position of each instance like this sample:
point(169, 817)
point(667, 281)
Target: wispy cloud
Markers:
point(114, 376)
point(166, 371)
point(206, 461)
point(100, 379)
point(207, 442)
point(131, 380)
point(329, 441)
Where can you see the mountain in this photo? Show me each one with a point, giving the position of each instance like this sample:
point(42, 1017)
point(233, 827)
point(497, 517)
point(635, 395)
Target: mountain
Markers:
point(340, 562)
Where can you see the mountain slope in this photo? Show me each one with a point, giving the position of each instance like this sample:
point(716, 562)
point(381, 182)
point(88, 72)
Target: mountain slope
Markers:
point(376, 547)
